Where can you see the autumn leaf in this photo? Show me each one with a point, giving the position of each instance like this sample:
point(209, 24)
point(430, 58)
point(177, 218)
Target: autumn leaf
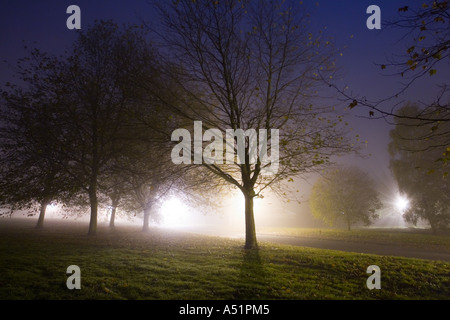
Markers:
point(383, 66)
point(433, 72)
point(353, 104)
point(437, 55)
point(404, 9)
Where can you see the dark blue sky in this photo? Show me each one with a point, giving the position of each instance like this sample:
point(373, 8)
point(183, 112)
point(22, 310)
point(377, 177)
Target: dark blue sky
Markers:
point(42, 24)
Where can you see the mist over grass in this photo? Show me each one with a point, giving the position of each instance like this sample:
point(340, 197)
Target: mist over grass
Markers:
point(125, 263)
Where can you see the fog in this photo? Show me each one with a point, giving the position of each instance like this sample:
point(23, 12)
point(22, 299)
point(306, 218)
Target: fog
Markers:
point(226, 216)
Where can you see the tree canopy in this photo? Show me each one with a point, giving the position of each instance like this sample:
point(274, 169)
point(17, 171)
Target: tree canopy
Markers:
point(32, 172)
point(345, 195)
point(241, 65)
point(78, 121)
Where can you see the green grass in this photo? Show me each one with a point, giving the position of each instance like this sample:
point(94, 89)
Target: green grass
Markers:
point(407, 237)
point(127, 264)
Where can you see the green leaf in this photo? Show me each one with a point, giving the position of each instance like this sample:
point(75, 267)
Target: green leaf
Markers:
point(433, 72)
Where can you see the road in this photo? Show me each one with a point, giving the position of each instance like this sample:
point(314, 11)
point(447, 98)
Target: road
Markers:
point(340, 245)
point(359, 247)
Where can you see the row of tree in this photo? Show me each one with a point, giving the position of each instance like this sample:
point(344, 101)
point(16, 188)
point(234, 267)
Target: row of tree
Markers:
point(77, 129)
point(97, 122)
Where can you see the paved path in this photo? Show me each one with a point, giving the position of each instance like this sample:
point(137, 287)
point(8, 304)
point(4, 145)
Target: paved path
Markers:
point(341, 245)
point(359, 247)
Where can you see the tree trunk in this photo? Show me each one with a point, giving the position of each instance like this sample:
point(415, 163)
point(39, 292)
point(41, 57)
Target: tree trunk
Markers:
point(250, 230)
point(44, 204)
point(434, 229)
point(94, 208)
point(145, 227)
point(114, 204)
point(431, 220)
point(113, 217)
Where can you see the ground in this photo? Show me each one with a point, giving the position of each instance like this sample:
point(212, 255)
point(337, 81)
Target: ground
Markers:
point(128, 264)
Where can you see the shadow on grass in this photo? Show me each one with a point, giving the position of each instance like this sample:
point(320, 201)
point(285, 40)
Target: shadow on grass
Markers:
point(253, 279)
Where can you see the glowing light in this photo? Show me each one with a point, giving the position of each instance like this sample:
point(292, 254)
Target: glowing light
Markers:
point(174, 213)
point(52, 207)
point(238, 201)
point(401, 203)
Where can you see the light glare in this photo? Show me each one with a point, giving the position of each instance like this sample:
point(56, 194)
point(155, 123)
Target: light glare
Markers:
point(173, 212)
point(402, 203)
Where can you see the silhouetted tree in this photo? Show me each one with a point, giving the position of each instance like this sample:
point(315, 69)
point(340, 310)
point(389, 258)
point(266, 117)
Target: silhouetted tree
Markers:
point(99, 95)
point(31, 170)
point(413, 163)
point(345, 195)
point(249, 65)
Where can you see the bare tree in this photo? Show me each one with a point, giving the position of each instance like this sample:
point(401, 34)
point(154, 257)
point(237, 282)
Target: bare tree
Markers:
point(240, 65)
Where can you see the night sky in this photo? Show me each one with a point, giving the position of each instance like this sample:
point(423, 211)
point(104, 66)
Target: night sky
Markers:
point(42, 24)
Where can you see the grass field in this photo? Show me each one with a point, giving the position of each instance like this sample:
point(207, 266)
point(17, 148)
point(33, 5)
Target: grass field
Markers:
point(409, 237)
point(127, 264)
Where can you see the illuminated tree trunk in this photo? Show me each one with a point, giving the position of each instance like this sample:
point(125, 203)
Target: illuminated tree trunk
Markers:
point(114, 204)
point(250, 230)
point(44, 204)
point(145, 227)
